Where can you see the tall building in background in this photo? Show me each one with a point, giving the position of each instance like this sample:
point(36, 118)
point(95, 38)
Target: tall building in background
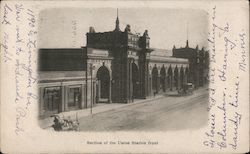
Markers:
point(198, 63)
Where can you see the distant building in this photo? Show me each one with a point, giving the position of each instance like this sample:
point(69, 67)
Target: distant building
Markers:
point(198, 63)
point(116, 66)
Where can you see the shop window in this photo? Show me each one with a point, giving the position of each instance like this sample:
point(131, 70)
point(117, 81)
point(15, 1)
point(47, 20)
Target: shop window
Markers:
point(74, 97)
point(51, 99)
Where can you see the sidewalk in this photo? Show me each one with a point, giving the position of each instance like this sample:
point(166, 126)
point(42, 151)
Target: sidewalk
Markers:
point(47, 122)
point(101, 107)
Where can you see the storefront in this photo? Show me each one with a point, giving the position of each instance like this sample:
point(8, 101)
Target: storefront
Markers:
point(51, 99)
point(74, 97)
point(59, 93)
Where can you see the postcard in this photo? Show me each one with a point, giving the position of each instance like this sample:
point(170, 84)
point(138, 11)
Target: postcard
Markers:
point(124, 76)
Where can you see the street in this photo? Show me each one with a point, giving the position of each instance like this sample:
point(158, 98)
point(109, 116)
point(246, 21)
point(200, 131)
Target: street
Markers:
point(166, 113)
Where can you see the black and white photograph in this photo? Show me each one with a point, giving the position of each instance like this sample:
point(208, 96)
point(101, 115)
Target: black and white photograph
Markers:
point(117, 69)
point(124, 76)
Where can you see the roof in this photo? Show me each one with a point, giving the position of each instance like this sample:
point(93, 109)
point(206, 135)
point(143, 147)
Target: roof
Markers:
point(168, 59)
point(60, 75)
point(62, 59)
point(161, 52)
point(164, 55)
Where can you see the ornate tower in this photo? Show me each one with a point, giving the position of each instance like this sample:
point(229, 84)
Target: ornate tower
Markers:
point(117, 27)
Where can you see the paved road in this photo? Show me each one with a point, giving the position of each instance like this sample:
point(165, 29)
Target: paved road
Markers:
point(167, 113)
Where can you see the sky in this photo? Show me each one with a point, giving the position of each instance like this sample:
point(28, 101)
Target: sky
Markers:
point(67, 27)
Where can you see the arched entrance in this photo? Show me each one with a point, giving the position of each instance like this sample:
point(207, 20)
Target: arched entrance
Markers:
point(170, 78)
point(155, 80)
point(135, 80)
point(162, 79)
point(103, 79)
point(176, 75)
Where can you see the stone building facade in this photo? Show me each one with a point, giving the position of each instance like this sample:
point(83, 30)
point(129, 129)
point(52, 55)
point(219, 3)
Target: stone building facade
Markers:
point(198, 63)
point(116, 66)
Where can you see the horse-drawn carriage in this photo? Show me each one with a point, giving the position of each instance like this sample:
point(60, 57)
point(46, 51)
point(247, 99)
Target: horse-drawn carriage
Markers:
point(65, 124)
point(187, 89)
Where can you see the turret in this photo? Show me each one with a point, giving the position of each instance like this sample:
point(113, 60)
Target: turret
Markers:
point(128, 29)
point(174, 47)
point(197, 48)
point(187, 44)
point(145, 40)
point(91, 30)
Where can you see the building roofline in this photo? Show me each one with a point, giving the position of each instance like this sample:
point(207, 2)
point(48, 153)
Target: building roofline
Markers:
point(60, 48)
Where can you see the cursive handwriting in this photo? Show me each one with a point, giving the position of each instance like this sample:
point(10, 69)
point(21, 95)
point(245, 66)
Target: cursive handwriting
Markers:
point(235, 100)
point(24, 48)
point(212, 126)
point(30, 97)
point(18, 37)
point(20, 114)
point(31, 79)
point(31, 18)
point(223, 132)
point(222, 30)
point(223, 109)
point(212, 100)
point(229, 45)
point(242, 63)
point(235, 121)
point(211, 77)
point(7, 56)
point(18, 75)
point(31, 44)
point(19, 10)
point(6, 12)
point(211, 132)
point(212, 39)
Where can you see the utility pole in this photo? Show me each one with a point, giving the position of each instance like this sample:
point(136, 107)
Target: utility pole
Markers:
point(91, 90)
point(187, 30)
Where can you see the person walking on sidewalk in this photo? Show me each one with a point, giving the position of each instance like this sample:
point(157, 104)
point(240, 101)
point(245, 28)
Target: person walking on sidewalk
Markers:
point(154, 93)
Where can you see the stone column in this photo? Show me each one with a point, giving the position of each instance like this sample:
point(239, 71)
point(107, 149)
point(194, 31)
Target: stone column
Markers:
point(171, 82)
point(65, 89)
point(86, 95)
point(159, 87)
point(82, 96)
point(151, 85)
point(166, 83)
point(94, 92)
point(185, 78)
point(62, 95)
point(129, 78)
point(41, 98)
point(131, 82)
point(99, 90)
point(179, 78)
point(146, 79)
point(110, 91)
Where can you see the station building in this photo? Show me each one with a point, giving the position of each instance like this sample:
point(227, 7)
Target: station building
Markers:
point(114, 67)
